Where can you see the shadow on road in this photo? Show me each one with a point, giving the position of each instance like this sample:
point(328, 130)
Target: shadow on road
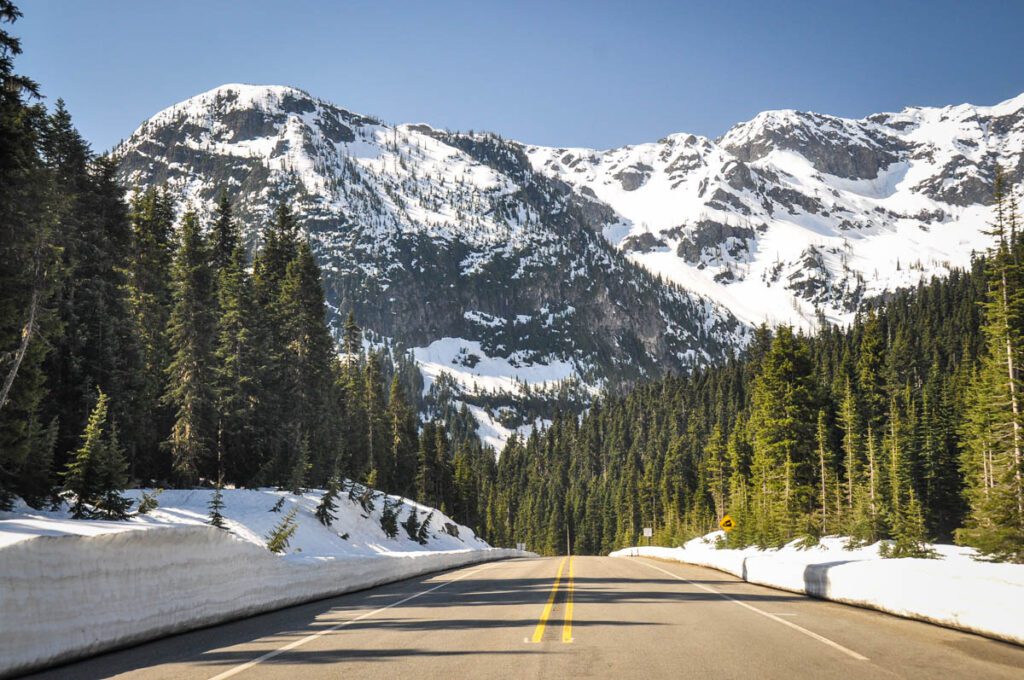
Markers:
point(212, 646)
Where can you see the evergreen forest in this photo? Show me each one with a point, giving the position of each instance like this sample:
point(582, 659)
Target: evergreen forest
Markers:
point(141, 346)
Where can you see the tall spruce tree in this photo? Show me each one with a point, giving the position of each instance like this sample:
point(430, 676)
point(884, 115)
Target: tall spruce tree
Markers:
point(191, 331)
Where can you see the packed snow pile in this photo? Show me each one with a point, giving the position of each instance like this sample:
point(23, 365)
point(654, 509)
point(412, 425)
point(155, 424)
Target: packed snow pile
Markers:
point(81, 587)
point(953, 590)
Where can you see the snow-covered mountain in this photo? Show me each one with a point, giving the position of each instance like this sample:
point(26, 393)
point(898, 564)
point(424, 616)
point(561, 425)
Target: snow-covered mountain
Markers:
point(794, 214)
point(448, 243)
point(525, 271)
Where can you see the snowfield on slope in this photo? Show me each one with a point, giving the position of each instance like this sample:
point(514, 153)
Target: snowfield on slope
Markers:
point(247, 513)
point(954, 590)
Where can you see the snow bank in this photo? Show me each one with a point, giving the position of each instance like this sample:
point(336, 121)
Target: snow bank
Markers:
point(954, 591)
point(73, 588)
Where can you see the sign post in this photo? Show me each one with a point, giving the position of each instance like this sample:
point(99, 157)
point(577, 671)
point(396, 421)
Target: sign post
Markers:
point(648, 532)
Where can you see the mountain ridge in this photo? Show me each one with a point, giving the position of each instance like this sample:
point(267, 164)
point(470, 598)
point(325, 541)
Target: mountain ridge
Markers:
point(568, 269)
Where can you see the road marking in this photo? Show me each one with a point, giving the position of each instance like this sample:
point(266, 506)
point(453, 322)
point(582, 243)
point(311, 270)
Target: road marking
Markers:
point(309, 638)
point(567, 625)
point(773, 617)
point(538, 632)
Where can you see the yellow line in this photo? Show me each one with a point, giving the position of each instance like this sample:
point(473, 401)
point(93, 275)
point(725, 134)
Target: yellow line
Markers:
point(567, 625)
point(538, 632)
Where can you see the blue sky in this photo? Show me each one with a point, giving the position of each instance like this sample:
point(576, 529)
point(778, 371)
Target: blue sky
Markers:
point(594, 73)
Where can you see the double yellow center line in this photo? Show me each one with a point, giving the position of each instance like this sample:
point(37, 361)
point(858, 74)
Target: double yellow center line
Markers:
point(538, 632)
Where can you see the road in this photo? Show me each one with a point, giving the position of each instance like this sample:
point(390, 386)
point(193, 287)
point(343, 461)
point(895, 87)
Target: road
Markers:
point(608, 617)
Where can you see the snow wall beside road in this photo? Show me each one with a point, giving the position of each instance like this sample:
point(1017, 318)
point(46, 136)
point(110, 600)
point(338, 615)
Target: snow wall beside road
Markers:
point(953, 591)
point(65, 596)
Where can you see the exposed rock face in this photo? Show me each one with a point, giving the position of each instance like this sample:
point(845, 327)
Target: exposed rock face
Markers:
point(540, 256)
point(740, 211)
point(429, 235)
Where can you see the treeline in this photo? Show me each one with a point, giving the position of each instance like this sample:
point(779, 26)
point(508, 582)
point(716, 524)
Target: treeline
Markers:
point(135, 350)
point(904, 426)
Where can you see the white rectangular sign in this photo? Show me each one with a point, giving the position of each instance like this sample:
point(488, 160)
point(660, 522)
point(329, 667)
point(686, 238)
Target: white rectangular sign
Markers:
point(648, 532)
point(520, 546)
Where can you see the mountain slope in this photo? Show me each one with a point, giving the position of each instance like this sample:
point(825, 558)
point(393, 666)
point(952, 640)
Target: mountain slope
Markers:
point(794, 214)
point(434, 237)
point(521, 274)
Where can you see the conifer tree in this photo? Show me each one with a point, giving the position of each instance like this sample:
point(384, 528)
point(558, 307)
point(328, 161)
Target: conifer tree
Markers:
point(992, 438)
point(29, 270)
point(216, 504)
point(281, 535)
point(423, 532)
point(112, 478)
point(191, 329)
point(717, 473)
point(95, 475)
point(225, 238)
point(149, 303)
point(389, 519)
point(412, 524)
point(237, 371)
point(328, 502)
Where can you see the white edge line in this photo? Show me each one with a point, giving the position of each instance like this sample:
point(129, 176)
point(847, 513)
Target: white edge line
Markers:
point(301, 641)
point(773, 617)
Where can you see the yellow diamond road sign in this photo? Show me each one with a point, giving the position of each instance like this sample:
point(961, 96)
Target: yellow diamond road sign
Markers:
point(727, 523)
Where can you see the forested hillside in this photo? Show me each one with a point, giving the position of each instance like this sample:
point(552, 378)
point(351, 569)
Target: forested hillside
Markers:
point(137, 349)
point(904, 426)
point(137, 353)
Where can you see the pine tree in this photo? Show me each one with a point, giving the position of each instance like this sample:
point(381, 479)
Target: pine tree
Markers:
point(992, 438)
point(412, 524)
point(300, 468)
point(191, 330)
point(423, 532)
point(149, 304)
point(215, 506)
point(281, 535)
point(717, 473)
point(112, 478)
point(96, 474)
point(389, 519)
point(782, 431)
point(225, 238)
point(237, 371)
point(328, 502)
point(401, 421)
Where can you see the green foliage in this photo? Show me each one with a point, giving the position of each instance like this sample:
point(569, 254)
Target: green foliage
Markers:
point(279, 538)
point(412, 525)
point(191, 330)
point(215, 505)
point(327, 506)
point(423, 532)
point(95, 477)
point(149, 502)
point(389, 519)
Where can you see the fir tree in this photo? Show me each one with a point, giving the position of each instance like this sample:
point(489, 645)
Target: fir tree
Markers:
point(328, 502)
point(96, 475)
point(423, 532)
point(992, 439)
point(281, 535)
point(412, 525)
point(389, 519)
point(216, 504)
point(191, 330)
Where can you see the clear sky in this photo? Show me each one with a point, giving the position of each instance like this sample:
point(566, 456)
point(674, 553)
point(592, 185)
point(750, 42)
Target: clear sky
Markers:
point(589, 73)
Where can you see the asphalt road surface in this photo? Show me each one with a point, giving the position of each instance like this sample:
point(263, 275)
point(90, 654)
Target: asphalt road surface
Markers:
point(554, 618)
